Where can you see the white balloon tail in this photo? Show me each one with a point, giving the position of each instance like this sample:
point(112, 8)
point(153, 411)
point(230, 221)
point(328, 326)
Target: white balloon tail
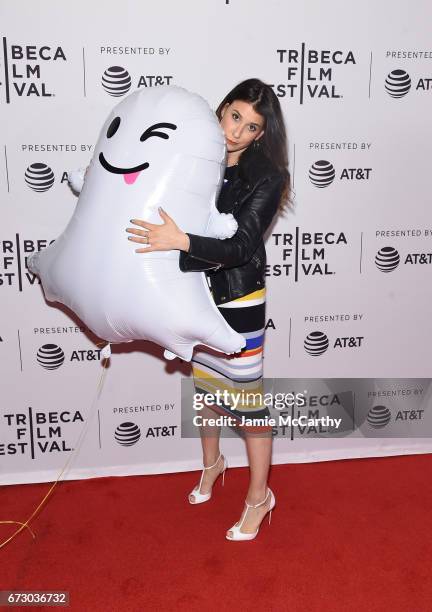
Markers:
point(225, 339)
point(169, 355)
point(76, 179)
point(106, 351)
point(33, 263)
point(221, 225)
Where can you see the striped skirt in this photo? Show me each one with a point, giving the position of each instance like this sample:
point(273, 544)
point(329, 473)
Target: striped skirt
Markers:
point(239, 374)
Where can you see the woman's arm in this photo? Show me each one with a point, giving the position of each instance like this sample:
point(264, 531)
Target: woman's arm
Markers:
point(253, 220)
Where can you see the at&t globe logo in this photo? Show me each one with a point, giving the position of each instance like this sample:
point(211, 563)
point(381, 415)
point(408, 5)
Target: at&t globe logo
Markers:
point(50, 356)
point(127, 434)
point(387, 259)
point(39, 177)
point(322, 173)
point(316, 343)
point(116, 81)
point(378, 417)
point(398, 83)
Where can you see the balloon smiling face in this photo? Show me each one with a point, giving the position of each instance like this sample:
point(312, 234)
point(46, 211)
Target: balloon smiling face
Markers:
point(130, 175)
point(152, 142)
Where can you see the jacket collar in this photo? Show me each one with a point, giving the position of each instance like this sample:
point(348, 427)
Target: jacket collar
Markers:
point(254, 166)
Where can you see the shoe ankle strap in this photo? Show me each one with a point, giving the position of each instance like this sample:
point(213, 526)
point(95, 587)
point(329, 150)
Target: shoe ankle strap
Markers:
point(211, 466)
point(260, 504)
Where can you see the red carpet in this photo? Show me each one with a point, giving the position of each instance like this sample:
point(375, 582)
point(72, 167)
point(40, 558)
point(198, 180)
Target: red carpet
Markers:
point(348, 535)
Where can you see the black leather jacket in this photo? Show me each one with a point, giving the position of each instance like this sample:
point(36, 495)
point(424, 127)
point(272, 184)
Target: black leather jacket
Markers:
point(235, 266)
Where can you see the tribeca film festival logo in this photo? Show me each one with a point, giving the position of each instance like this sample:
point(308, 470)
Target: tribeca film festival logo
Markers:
point(304, 253)
point(388, 258)
point(312, 73)
point(128, 433)
point(37, 432)
point(13, 261)
point(52, 357)
point(24, 67)
point(316, 343)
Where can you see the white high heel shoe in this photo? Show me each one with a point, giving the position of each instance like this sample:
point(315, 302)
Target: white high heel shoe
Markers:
point(196, 492)
point(239, 535)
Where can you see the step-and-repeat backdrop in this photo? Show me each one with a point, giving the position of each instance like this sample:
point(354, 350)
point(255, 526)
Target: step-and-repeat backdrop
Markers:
point(349, 270)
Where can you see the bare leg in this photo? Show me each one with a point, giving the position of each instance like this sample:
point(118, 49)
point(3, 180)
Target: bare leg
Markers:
point(210, 436)
point(259, 451)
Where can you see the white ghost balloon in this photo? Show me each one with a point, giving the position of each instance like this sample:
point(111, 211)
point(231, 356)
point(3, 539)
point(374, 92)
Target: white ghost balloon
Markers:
point(158, 147)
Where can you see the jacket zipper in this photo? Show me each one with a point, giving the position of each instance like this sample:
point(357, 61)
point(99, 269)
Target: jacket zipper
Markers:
point(208, 261)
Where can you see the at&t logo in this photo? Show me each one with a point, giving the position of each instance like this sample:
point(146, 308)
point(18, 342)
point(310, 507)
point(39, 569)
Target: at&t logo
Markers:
point(39, 177)
point(317, 342)
point(51, 356)
point(379, 417)
point(322, 174)
point(116, 81)
point(398, 83)
point(387, 259)
point(128, 433)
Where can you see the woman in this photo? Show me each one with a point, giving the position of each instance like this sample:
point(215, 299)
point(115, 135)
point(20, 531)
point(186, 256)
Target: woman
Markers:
point(257, 183)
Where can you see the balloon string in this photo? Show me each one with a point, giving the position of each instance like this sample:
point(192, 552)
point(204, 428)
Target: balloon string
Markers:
point(78, 444)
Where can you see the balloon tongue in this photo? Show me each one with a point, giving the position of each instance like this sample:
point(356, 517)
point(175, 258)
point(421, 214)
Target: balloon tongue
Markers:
point(131, 177)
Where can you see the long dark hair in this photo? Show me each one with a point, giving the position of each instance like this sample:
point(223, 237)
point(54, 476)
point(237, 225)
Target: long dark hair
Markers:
point(273, 143)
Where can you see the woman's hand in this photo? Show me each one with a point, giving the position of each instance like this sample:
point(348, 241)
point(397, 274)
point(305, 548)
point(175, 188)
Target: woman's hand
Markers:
point(165, 237)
